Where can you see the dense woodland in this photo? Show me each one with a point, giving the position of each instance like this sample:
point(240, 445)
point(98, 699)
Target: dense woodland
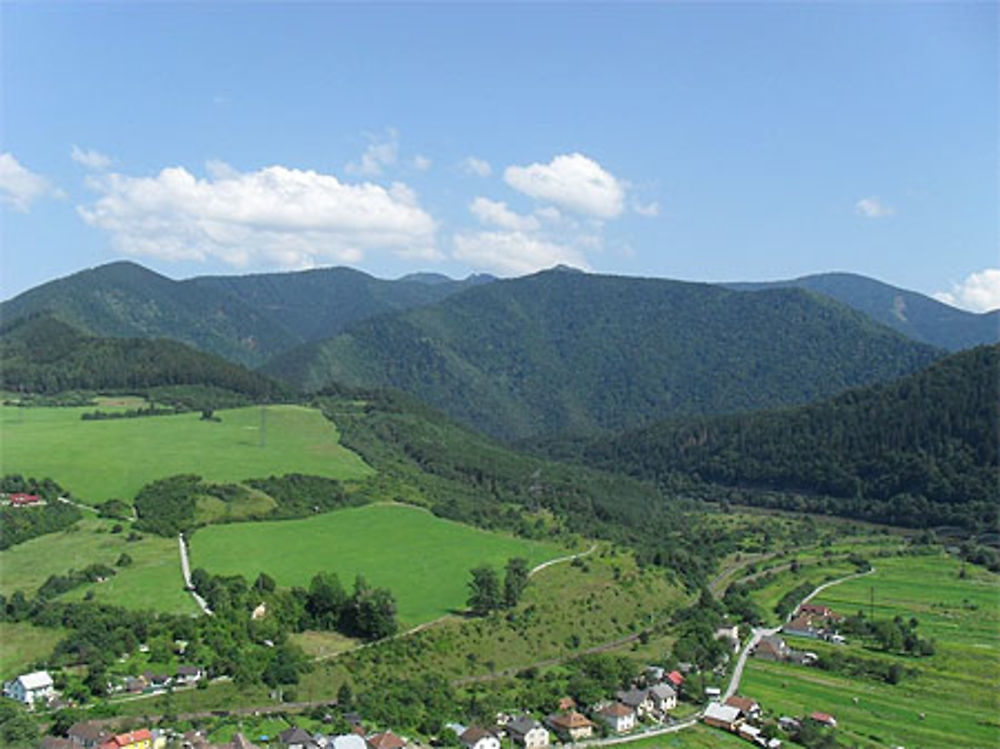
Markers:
point(44, 355)
point(921, 451)
point(18, 524)
point(566, 353)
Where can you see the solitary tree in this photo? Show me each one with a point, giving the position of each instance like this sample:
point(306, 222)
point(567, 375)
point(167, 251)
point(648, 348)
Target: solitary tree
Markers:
point(484, 590)
point(515, 581)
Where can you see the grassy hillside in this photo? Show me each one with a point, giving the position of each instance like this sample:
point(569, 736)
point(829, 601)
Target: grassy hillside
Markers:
point(97, 460)
point(914, 315)
point(45, 355)
point(954, 689)
point(246, 319)
point(920, 451)
point(561, 352)
point(422, 559)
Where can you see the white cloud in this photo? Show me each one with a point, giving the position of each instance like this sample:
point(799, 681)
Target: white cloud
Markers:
point(20, 187)
point(90, 158)
point(478, 167)
point(421, 163)
point(382, 151)
point(274, 216)
point(873, 207)
point(646, 209)
point(497, 213)
point(513, 252)
point(979, 292)
point(572, 181)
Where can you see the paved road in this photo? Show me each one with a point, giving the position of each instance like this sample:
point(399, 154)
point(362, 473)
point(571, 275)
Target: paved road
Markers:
point(186, 570)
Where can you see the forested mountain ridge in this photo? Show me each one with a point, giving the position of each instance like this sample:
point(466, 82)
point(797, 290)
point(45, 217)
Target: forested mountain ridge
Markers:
point(574, 353)
point(920, 451)
point(914, 315)
point(246, 319)
point(44, 355)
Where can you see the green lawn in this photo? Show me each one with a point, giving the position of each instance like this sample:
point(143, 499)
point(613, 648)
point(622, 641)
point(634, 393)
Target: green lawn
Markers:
point(97, 460)
point(698, 737)
point(955, 689)
point(422, 559)
point(153, 581)
point(21, 644)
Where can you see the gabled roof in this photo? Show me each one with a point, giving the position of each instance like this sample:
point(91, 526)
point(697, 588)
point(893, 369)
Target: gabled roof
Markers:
point(722, 713)
point(663, 691)
point(744, 704)
point(472, 734)
point(616, 710)
point(87, 731)
point(675, 678)
point(633, 697)
point(294, 735)
point(387, 740)
point(823, 718)
point(572, 719)
point(35, 680)
point(348, 741)
point(523, 724)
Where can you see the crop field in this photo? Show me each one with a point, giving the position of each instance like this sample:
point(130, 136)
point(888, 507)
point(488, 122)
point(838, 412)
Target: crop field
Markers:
point(21, 644)
point(951, 700)
point(152, 581)
point(422, 559)
point(97, 460)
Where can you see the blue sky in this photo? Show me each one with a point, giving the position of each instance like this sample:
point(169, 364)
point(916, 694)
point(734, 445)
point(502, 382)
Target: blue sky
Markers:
point(702, 142)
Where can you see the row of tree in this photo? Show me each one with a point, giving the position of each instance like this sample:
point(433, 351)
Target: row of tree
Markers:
point(487, 593)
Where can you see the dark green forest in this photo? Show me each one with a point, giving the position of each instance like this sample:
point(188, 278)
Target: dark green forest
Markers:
point(920, 451)
point(564, 352)
point(45, 355)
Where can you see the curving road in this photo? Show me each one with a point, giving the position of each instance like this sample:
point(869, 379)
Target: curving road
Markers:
point(186, 571)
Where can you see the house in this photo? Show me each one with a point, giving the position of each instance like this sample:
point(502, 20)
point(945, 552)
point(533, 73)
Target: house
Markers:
point(721, 716)
point(771, 648)
point(188, 674)
point(748, 708)
point(24, 500)
point(713, 693)
point(823, 612)
point(570, 725)
point(637, 699)
point(475, 737)
point(87, 734)
point(141, 739)
point(348, 741)
point(566, 704)
point(30, 688)
point(386, 740)
point(619, 717)
point(296, 738)
point(528, 732)
point(664, 697)
point(655, 674)
point(156, 681)
point(749, 732)
point(824, 718)
point(675, 679)
point(801, 626)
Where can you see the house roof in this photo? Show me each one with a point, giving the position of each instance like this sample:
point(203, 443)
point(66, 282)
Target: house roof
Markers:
point(616, 710)
point(822, 717)
point(35, 680)
point(523, 724)
point(633, 697)
point(571, 719)
point(803, 622)
point(675, 678)
point(294, 735)
point(744, 704)
point(87, 731)
point(387, 740)
point(472, 734)
point(663, 691)
point(348, 741)
point(567, 703)
point(188, 670)
point(722, 713)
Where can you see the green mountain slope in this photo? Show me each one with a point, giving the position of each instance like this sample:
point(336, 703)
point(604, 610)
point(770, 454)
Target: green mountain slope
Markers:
point(914, 315)
point(558, 352)
point(918, 451)
point(45, 355)
point(246, 319)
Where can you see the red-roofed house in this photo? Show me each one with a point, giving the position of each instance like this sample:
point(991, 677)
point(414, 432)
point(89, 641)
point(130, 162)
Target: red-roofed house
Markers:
point(825, 718)
point(20, 500)
point(387, 740)
point(675, 678)
point(141, 739)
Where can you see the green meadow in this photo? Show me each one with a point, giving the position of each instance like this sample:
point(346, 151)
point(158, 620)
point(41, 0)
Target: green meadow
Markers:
point(422, 559)
point(152, 581)
point(22, 644)
point(97, 460)
point(950, 700)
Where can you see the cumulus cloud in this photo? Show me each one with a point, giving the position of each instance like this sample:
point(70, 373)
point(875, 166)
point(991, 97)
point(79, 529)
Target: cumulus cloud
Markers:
point(572, 181)
point(382, 151)
point(979, 292)
point(478, 167)
point(873, 207)
point(498, 214)
point(513, 252)
point(20, 187)
point(275, 216)
point(90, 158)
point(421, 163)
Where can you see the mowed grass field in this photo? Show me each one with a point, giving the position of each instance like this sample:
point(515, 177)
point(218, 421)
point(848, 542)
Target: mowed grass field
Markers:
point(424, 560)
point(152, 581)
point(21, 644)
point(956, 689)
point(97, 460)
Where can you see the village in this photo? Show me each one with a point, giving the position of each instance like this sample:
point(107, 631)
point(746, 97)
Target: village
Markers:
point(649, 707)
